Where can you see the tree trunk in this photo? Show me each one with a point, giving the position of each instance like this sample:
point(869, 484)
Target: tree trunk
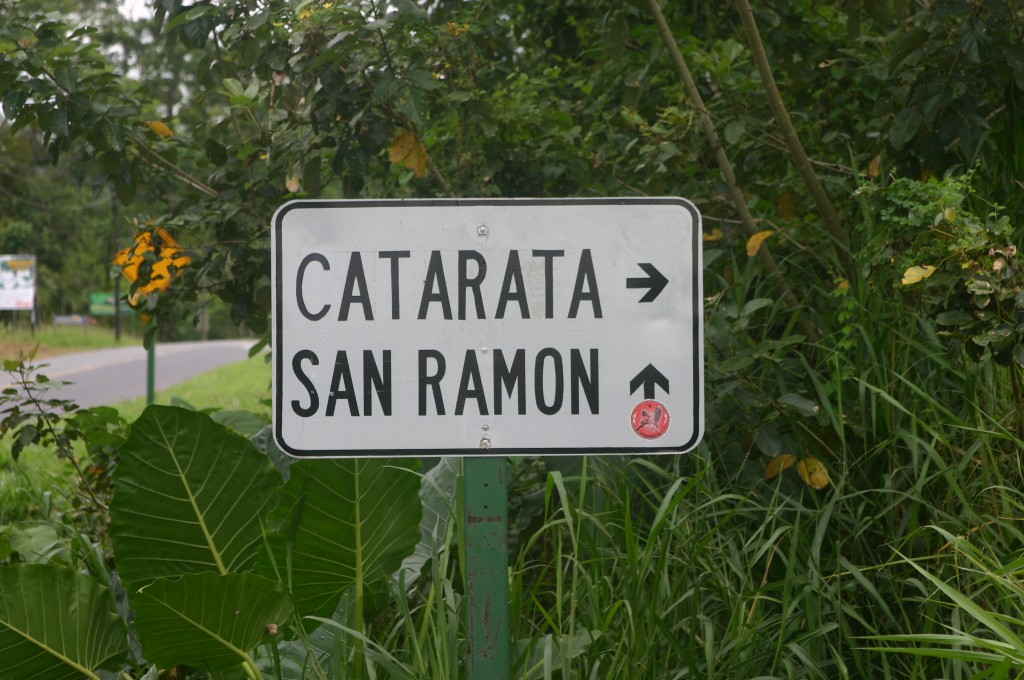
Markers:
point(796, 149)
point(764, 255)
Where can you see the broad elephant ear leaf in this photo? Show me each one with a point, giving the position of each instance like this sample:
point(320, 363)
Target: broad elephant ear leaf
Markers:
point(209, 621)
point(437, 498)
point(56, 624)
point(341, 523)
point(190, 496)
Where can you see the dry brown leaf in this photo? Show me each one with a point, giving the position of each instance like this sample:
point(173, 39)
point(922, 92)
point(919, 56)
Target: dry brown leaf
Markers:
point(417, 160)
point(755, 241)
point(409, 151)
point(813, 472)
point(778, 464)
point(875, 167)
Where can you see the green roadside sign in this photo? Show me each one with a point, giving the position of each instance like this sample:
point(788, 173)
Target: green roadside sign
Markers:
point(102, 304)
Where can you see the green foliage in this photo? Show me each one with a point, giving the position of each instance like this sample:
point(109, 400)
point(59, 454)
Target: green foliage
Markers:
point(353, 503)
point(209, 620)
point(181, 466)
point(973, 284)
point(56, 623)
point(659, 568)
point(988, 638)
point(34, 416)
point(961, 65)
point(188, 521)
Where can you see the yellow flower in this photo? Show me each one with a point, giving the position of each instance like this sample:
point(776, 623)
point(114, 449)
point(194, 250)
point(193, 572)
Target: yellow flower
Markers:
point(167, 251)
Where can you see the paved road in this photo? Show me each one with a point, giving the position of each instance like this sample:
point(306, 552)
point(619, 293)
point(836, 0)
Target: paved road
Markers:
point(108, 376)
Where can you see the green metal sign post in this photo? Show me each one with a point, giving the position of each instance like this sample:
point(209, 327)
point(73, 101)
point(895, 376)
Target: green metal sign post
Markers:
point(485, 485)
point(151, 365)
point(151, 372)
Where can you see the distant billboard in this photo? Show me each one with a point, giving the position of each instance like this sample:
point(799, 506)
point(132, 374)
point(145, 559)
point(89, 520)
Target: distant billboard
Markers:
point(17, 282)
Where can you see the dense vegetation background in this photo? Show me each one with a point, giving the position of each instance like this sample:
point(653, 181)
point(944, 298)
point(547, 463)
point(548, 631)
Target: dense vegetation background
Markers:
point(859, 165)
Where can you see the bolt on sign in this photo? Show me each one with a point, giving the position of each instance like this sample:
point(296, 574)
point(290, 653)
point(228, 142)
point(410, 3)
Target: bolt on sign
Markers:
point(479, 326)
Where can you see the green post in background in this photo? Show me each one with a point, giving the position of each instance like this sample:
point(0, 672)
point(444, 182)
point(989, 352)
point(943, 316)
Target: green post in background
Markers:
point(485, 485)
point(151, 370)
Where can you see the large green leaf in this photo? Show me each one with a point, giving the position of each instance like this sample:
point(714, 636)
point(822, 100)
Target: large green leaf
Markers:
point(209, 621)
point(56, 624)
point(437, 499)
point(341, 523)
point(190, 495)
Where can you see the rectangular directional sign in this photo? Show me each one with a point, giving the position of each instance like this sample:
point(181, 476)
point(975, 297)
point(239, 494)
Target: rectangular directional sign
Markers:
point(474, 327)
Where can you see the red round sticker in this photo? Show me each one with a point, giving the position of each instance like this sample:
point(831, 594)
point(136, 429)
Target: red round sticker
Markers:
point(650, 419)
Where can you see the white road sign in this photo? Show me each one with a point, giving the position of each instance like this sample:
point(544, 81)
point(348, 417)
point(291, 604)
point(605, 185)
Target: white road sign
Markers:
point(472, 327)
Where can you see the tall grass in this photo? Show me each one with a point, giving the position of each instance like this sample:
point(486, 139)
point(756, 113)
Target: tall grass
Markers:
point(661, 567)
point(58, 339)
point(699, 567)
point(906, 567)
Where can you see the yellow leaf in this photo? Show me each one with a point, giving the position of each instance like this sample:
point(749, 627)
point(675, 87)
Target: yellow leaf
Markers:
point(755, 241)
point(813, 472)
point(915, 274)
point(410, 152)
point(714, 235)
point(293, 185)
point(778, 464)
point(402, 146)
point(160, 128)
point(456, 30)
point(844, 284)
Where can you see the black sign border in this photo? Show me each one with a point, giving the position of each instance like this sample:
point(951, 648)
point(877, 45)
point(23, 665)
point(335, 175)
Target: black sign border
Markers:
point(277, 329)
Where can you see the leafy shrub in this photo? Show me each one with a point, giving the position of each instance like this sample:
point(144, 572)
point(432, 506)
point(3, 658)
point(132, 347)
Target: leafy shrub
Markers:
point(958, 264)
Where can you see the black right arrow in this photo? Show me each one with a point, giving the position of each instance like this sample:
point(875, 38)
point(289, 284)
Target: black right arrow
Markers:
point(655, 281)
point(649, 378)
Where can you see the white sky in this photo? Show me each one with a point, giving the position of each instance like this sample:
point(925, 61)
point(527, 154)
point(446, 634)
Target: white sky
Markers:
point(135, 9)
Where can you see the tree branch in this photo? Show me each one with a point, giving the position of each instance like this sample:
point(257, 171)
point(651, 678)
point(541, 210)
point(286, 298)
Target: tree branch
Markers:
point(764, 255)
point(789, 135)
point(159, 161)
point(438, 177)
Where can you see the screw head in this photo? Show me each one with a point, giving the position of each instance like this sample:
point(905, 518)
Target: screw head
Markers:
point(482, 230)
point(485, 442)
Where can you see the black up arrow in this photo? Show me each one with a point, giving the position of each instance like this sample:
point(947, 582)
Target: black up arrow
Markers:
point(649, 378)
point(655, 282)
